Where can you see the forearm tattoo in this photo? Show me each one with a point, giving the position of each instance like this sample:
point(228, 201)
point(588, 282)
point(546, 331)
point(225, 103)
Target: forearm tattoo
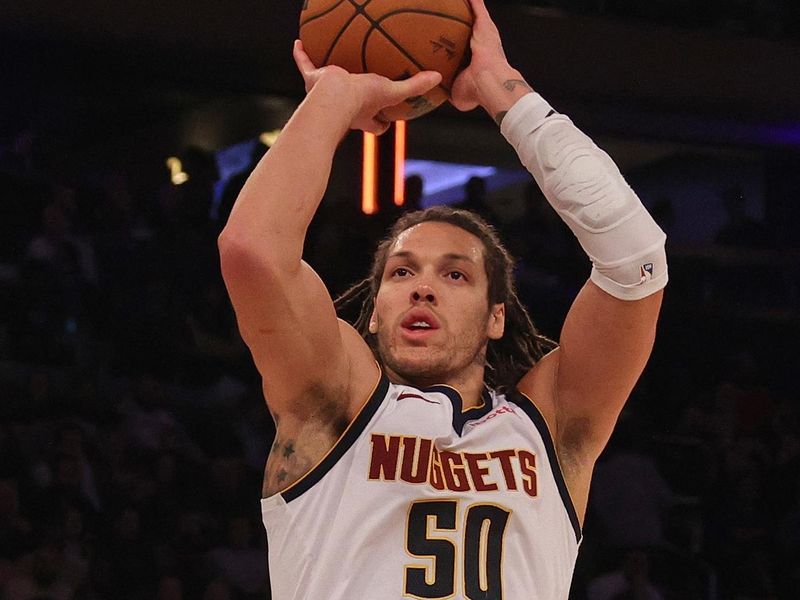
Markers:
point(511, 85)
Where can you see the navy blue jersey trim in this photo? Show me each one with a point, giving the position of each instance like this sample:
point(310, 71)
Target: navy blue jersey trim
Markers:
point(343, 444)
point(461, 416)
point(527, 405)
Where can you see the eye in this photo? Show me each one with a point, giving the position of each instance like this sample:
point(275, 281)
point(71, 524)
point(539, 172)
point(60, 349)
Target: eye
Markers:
point(400, 272)
point(456, 275)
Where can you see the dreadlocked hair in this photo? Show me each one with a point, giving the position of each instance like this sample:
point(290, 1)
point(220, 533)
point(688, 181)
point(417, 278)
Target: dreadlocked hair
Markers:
point(508, 358)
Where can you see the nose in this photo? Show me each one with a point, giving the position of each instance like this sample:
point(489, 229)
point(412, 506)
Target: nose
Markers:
point(423, 293)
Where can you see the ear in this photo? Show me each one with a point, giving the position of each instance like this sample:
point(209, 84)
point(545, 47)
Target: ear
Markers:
point(373, 323)
point(497, 322)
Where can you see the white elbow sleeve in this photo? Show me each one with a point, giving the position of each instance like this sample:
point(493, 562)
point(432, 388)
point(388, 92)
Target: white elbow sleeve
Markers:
point(585, 187)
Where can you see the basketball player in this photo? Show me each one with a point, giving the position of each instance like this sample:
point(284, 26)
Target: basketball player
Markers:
point(440, 447)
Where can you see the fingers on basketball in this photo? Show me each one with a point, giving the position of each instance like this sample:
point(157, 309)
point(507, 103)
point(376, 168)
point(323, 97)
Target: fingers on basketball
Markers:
point(393, 38)
point(419, 84)
point(301, 59)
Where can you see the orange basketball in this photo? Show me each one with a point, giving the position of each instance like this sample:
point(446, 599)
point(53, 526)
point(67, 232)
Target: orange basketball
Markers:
point(394, 38)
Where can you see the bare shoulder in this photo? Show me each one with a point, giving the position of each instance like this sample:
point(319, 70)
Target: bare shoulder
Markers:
point(364, 369)
point(538, 384)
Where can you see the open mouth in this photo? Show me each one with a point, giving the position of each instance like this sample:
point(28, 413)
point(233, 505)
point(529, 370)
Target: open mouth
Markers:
point(419, 322)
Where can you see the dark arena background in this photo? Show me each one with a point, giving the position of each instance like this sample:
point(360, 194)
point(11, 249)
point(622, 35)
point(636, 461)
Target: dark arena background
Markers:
point(133, 430)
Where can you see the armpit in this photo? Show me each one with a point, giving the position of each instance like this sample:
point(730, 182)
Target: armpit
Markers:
point(574, 441)
point(303, 440)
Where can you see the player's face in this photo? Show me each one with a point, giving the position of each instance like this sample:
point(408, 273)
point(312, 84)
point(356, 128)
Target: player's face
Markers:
point(432, 316)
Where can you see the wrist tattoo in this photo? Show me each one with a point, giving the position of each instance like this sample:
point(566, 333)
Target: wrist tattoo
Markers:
point(513, 84)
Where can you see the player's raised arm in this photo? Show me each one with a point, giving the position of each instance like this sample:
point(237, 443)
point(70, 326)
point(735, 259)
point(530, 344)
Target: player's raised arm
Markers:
point(284, 312)
point(609, 331)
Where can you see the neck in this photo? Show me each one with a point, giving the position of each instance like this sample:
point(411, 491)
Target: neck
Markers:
point(468, 383)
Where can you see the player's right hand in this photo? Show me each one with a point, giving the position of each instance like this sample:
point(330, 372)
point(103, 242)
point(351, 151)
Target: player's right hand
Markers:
point(363, 96)
point(487, 57)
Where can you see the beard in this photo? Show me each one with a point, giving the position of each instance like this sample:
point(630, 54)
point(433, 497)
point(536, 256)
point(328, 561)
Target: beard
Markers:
point(425, 366)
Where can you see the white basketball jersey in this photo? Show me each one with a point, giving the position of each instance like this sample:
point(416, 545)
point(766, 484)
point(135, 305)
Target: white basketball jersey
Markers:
point(421, 499)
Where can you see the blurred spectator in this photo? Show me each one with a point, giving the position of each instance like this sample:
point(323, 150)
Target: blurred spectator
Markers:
point(43, 574)
point(250, 427)
point(16, 532)
point(341, 229)
point(551, 266)
point(19, 158)
point(230, 486)
point(69, 486)
point(127, 557)
point(740, 229)
point(414, 188)
point(56, 245)
point(549, 238)
point(190, 545)
point(214, 346)
point(630, 582)
point(663, 212)
point(239, 561)
point(629, 496)
point(197, 191)
point(170, 588)
point(219, 590)
point(476, 198)
point(78, 544)
point(70, 442)
point(23, 194)
point(414, 192)
point(150, 423)
point(739, 539)
point(58, 276)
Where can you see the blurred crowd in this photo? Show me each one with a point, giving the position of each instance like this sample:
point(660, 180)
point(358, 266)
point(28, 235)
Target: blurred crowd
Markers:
point(133, 431)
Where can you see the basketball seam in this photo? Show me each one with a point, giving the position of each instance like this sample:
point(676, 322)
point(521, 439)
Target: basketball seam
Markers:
point(395, 44)
point(344, 28)
point(376, 26)
point(322, 14)
point(338, 36)
point(400, 48)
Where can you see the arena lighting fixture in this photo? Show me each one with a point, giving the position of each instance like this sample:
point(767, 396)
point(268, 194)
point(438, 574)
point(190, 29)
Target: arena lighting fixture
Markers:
point(400, 163)
point(369, 194)
point(268, 138)
point(369, 179)
point(176, 172)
